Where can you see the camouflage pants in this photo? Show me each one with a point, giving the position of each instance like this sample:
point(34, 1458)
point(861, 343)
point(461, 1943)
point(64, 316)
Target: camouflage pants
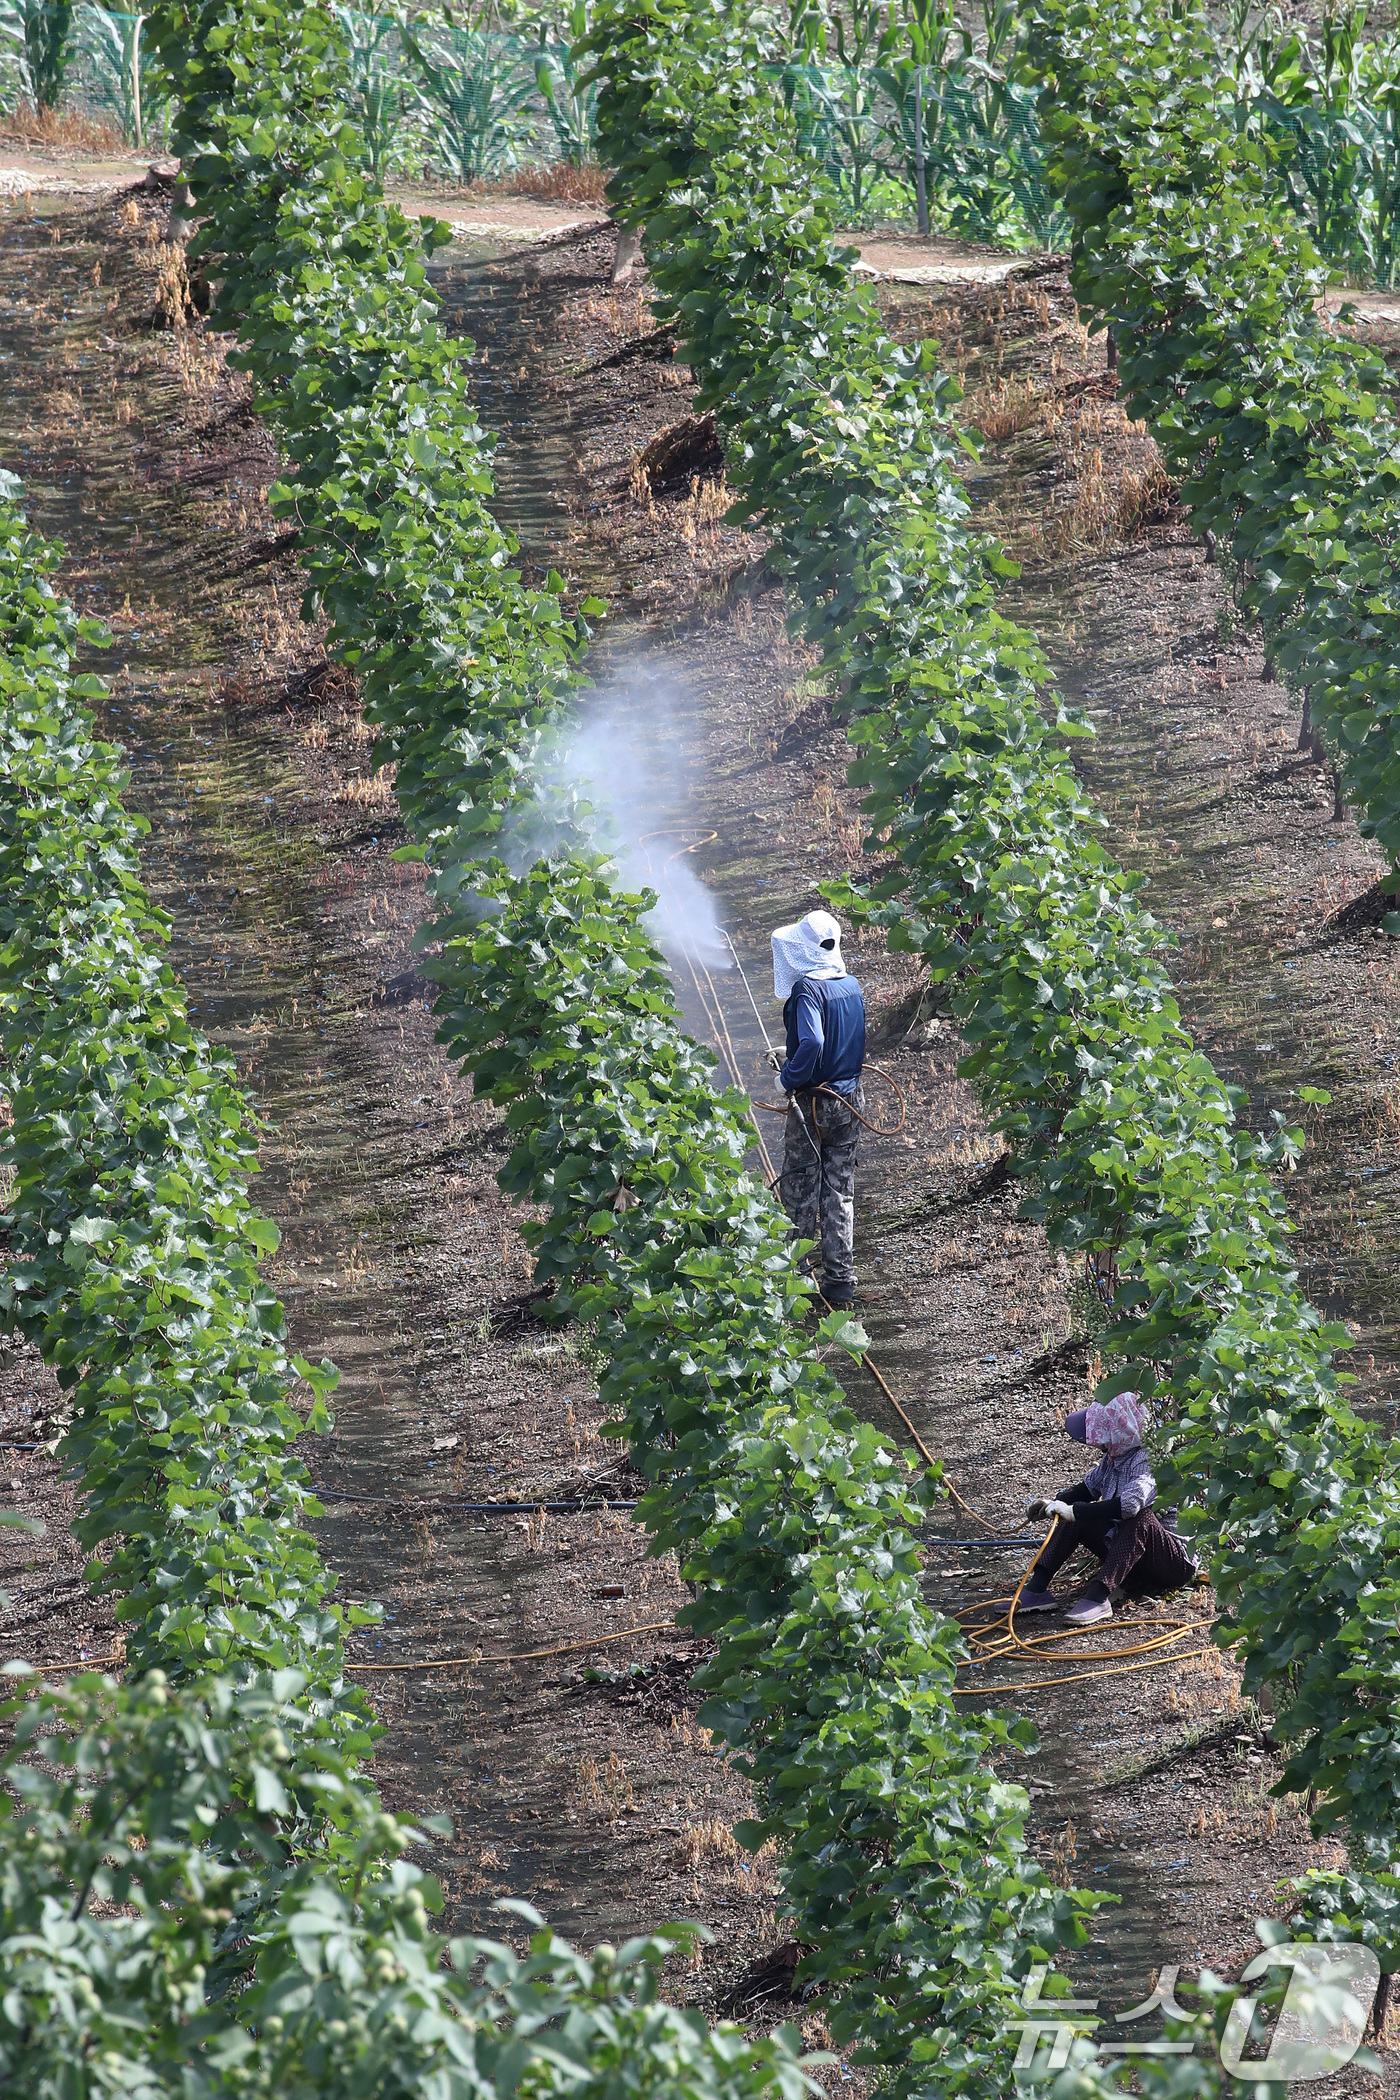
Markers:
point(818, 1180)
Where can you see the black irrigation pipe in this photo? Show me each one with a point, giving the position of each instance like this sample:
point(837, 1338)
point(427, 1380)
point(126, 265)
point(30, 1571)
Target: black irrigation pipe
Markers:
point(526, 1504)
point(932, 1538)
point(522, 1507)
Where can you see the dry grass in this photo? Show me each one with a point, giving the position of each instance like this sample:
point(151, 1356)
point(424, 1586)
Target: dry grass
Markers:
point(1388, 1119)
point(165, 261)
point(1000, 411)
point(559, 181)
point(554, 181)
point(703, 510)
point(63, 408)
point(1141, 498)
point(197, 361)
point(368, 790)
point(73, 129)
point(710, 1844)
point(622, 313)
point(1064, 1850)
point(710, 1839)
point(1207, 1673)
point(604, 1789)
point(1109, 506)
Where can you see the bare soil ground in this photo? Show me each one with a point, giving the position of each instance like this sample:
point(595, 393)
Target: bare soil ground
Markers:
point(967, 1309)
point(577, 1778)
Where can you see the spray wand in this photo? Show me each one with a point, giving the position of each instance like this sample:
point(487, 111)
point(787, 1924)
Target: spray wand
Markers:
point(749, 989)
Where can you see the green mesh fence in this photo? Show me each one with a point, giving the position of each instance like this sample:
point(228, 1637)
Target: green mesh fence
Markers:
point(427, 92)
point(433, 96)
point(59, 57)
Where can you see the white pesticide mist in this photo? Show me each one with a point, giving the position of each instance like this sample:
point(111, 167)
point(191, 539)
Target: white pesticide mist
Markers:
point(629, 761)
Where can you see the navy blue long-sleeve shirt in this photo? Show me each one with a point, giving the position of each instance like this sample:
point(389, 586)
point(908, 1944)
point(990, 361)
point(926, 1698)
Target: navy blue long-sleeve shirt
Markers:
point(825, 1022)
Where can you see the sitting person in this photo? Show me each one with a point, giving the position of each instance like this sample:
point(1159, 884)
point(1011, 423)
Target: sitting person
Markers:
point(1109, 1511)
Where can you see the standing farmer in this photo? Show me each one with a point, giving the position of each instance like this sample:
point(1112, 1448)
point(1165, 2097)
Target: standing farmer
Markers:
point(824, 1016)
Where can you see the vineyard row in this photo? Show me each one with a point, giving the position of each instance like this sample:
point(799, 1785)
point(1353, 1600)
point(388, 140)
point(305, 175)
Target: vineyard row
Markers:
point(1124, 1136)
point(831, 1680)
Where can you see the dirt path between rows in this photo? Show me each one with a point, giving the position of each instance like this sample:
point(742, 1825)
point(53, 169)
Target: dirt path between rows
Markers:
point(583, 1780)
point(1154, 1783)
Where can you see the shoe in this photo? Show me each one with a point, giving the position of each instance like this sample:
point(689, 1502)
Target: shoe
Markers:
point(839, 1296)
point(1088, 1611)
point(1037, 1600)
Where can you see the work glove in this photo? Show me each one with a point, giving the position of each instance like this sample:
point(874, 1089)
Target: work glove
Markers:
point(775, 1060)
point(1039, 1508)
point(1063, 1510)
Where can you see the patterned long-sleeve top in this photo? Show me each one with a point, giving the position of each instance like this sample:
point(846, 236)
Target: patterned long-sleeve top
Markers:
point(1130, 1478)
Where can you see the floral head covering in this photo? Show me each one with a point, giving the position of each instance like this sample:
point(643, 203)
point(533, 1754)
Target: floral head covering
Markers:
point(1116, 1425)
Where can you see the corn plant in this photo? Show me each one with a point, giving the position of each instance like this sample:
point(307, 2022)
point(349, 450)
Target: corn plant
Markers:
point(1332, 105)
point(985, 160)
point(1380, 91)
point(374, 90)
point(834, 94)
point(40, 36)
point(1324, 108)
point(473, 87)
point(129, 77)
point(1312, 97)
point(860, 89)
point(837, 110)
point(572, 106)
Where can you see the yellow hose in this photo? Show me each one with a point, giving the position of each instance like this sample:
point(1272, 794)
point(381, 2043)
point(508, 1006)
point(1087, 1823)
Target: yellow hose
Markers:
point(998, 1637)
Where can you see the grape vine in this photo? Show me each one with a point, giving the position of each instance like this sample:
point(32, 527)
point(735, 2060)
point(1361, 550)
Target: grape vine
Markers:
point(1281, 430)
point(1122, 1133)
point(831, 1684)
point(832, 1680)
